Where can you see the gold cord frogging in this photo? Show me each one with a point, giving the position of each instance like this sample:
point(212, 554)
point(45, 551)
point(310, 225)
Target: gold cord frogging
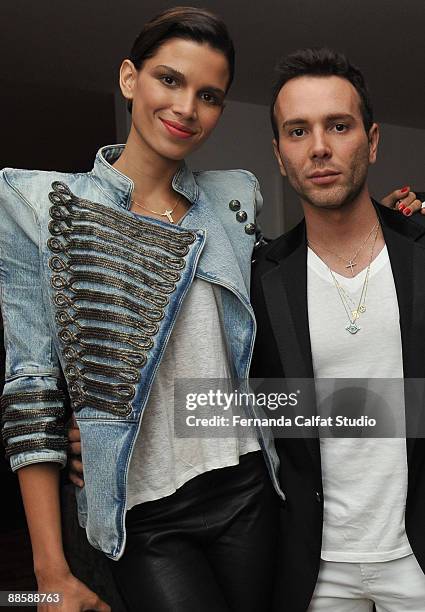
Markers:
point(121, 278)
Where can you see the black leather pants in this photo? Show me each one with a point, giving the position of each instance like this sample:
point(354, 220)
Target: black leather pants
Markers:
point(209, 547)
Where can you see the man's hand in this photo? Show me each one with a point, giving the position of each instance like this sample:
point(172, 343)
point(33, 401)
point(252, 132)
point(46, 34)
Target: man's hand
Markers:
point(75, 465)
point(403, 200)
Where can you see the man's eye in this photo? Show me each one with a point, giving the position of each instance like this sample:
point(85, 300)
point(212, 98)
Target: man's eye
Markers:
point(340, 127)
point(298, 132)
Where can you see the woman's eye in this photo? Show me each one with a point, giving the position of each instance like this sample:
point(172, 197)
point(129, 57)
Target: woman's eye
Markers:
point(209, 98)
point(168, 80)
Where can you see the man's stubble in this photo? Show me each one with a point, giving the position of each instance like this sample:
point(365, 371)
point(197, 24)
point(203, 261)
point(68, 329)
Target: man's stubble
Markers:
point(333, 197)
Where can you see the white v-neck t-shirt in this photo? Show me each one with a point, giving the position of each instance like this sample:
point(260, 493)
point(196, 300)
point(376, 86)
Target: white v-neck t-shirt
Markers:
point(364, 480)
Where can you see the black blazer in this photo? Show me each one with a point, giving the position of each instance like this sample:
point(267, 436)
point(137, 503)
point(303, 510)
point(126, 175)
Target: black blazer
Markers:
point(282, 349)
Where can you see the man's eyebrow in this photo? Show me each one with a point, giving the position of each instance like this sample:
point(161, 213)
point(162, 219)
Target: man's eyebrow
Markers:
point(297, 121)
point(182, 77)
point(343, 116)
point(328, 119)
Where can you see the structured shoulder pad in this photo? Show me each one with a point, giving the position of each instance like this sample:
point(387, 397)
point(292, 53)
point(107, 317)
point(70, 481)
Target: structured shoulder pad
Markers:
point(30, 186)
point(225, 186)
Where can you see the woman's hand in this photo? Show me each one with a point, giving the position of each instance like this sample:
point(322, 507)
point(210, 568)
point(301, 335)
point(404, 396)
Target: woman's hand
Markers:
point(75, 465)
point(75, 596)
point(403, 200)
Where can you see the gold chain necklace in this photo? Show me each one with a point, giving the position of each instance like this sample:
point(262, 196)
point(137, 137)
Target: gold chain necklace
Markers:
point(168, 212)
point(354, 315)
point(352, 260)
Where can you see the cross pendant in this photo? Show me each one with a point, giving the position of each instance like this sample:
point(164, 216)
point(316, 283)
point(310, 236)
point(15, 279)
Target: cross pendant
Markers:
point(351, 264)
point(170, 218)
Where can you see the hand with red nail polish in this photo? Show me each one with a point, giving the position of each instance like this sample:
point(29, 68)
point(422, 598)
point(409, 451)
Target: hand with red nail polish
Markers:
point(398, 198)
point(407, 212)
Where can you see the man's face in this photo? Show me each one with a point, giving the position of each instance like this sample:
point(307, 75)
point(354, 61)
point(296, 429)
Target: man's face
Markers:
point(323, 147)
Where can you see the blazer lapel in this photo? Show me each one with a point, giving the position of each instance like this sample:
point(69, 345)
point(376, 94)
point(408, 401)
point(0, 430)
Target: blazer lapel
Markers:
point(285, 293)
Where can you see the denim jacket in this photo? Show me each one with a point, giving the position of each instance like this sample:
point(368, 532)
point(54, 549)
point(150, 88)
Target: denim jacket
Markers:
point(93, 290)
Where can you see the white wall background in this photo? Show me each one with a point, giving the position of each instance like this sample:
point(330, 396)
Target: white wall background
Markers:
point(243, 140)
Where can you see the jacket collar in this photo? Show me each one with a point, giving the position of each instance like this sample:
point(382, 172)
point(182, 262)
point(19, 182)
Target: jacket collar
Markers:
point(391, 220)
point(283, 246)
point(118, 187)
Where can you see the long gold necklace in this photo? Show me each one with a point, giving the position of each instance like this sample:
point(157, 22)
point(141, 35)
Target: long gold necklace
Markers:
point(351, 262)
point(168, 212)
point(353, 315)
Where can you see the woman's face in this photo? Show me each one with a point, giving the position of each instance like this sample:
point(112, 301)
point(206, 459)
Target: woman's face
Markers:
point(177, 96)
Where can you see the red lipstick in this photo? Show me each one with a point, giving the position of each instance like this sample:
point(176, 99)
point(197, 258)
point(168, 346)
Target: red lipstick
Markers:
point(177, 129)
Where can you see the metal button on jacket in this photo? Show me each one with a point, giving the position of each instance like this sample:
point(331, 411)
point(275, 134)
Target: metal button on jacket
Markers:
point(250, 228)
point(241, 216)
point(318, 497)
point(234, 205)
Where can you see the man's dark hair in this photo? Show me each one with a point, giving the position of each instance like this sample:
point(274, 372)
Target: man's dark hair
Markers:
point(185, 22)
point(321, 62)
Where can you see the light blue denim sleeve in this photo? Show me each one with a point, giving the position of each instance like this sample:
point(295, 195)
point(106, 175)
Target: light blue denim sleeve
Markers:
point(258, 205)
point(32, 404)
point(258, 198)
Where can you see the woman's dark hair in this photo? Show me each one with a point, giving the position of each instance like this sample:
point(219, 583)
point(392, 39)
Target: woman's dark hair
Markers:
point(185, 22)
point(321, 62)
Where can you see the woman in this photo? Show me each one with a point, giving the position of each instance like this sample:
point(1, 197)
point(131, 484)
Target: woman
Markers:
point(128, 277)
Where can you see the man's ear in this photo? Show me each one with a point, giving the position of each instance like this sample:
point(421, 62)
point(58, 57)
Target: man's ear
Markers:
point(278, 157)
point(128, 77)
point(373, 137)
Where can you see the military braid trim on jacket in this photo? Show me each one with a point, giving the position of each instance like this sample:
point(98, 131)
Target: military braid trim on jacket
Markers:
point(118, 271)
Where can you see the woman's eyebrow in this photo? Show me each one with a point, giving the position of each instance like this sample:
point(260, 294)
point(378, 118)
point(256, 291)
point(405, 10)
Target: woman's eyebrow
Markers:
point(181, 77)
point(173, 71)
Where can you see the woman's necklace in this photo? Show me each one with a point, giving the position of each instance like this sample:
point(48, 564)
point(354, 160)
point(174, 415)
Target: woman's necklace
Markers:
point(347, 302)
point(168, 212)
point(351, 262)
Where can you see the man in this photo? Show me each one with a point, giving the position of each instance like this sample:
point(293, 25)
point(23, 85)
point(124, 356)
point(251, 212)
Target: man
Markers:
point(341, 296)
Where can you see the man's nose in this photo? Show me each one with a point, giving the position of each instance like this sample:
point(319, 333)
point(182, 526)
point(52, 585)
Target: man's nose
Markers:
point(320, 145)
